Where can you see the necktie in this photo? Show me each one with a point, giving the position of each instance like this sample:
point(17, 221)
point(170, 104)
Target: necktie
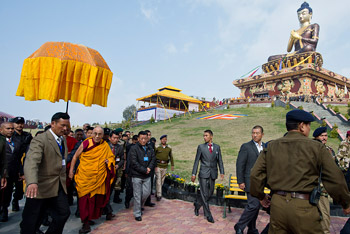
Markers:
point(210, 149)
point(113, 150)
point(10, 142)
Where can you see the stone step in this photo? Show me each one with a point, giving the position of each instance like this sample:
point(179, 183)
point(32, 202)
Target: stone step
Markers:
point(322, 113)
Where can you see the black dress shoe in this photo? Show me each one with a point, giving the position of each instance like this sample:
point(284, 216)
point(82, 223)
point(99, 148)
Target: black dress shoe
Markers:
point(210, 219)
point(159, 198)
point(238, 230)
point(150, 204)
point(196, 211)
point(127, 205)
point(109, 216)
point(85, 229)
point(142, 209)
point(255, 231)
point(138, 218)
point(91, 222)
point(15, 206)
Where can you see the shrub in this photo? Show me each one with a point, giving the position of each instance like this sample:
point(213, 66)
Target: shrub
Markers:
point(329, 106)
point(287, 106)
point(272, 104)
point(228, 106)
point(324, 124)
point(347, 116)
point(334, 132)
point(174, 115)
point(300, 107)
point(336, 109)
point(348, 111)
point(348, 104)
point(152, 120)
point(248, 105)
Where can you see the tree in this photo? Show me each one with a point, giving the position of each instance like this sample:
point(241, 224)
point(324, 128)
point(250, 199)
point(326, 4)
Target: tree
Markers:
point(129, 112)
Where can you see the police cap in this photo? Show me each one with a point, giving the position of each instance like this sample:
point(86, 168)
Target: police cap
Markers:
point(106, 131)
point(118, 130)
point(319, 131)
point(17, 119)
point(299, 116)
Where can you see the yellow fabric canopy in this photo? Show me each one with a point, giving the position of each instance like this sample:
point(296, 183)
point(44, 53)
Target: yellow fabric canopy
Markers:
point(65, 71)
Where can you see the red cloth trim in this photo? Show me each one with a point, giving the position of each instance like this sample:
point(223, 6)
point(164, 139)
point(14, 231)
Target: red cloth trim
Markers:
point(91, 207)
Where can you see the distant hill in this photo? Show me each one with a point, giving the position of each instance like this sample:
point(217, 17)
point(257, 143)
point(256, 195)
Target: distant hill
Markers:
point(185, 133)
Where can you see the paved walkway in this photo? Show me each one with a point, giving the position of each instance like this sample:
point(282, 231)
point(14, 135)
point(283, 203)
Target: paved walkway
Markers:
point(175, 216)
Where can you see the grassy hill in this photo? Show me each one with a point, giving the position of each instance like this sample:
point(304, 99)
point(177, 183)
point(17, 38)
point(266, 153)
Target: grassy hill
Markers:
point(185, 133)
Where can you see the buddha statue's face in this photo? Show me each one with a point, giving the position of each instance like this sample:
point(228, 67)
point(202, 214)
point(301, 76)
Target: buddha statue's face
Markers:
point(304, 16)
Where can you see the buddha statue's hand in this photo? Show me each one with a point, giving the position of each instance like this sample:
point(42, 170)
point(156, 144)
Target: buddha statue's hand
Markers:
point(295, 35)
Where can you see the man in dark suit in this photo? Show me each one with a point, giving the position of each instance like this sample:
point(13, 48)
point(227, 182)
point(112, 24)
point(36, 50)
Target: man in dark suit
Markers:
point(14, 167)
point(247, 156)
point(209, 154)
point(45, 174)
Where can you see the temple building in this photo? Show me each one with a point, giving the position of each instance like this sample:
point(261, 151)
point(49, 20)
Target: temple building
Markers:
point(298, 73)
point(165, 103)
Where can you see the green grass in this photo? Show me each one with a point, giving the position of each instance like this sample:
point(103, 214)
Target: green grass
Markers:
point(186, 133)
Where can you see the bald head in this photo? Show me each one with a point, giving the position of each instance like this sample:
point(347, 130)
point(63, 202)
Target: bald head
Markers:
point(97, 134)
point(7, 129)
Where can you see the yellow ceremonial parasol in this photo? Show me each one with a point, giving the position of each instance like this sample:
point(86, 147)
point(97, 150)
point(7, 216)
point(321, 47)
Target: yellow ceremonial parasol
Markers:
point(65, 71)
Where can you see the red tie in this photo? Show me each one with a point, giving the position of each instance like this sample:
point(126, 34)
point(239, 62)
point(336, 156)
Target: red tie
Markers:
point(210, 149)
point(113, 150)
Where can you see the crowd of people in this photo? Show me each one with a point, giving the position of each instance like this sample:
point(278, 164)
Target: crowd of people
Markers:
point(94, 164)
point(97, 164)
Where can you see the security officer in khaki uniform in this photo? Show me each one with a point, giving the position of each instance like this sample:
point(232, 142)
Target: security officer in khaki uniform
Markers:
point(321, 135)
point(291, 167)
point(343, 157)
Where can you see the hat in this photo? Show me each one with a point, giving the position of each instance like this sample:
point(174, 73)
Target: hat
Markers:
point(163, 136)
point(299, 116)
point(319, 131)
point(107, 131)
point(17, 119)
point(118, 130)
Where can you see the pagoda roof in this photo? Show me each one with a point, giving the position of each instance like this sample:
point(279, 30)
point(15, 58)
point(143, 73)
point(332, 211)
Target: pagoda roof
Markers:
point(169, 92)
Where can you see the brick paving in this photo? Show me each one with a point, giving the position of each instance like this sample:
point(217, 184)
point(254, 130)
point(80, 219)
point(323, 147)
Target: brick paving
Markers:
point(175, 216)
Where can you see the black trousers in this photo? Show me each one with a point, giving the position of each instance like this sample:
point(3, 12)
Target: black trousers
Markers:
point(18, 194)
point(128, 189)
point(34, 211)
point(207, 186)
point(11, 182)
point(250, 214)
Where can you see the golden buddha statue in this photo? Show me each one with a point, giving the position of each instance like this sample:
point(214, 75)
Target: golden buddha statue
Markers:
point(305, 38)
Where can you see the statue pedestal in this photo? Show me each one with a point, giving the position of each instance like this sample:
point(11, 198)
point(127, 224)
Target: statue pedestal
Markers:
point(302, 80)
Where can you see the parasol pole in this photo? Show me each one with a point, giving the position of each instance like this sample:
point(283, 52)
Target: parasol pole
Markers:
point(67, 107)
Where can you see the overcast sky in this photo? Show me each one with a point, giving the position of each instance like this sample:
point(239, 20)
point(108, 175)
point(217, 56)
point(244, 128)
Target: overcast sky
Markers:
point(199, 46)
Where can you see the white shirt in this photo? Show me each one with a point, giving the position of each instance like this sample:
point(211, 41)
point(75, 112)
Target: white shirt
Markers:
point(57, 138)
point(259, 147)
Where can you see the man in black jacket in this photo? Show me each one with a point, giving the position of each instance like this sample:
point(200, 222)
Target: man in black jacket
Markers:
point(25, 139)
point(247, 156)
point(128, 182)
point(14, 166)
point(142, 163)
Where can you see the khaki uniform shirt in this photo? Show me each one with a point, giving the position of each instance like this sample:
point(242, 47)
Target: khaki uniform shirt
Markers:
point(292, 164)
point(343, 155)
point(164, 154)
